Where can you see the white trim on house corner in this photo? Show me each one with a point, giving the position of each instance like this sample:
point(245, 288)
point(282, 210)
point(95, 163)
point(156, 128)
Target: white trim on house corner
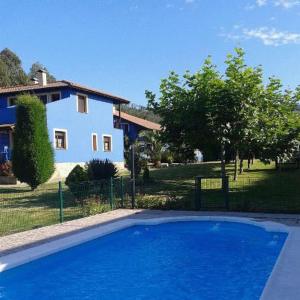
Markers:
point(66, 135)
point(87, 103)
point(111, 142)
point(97, 144)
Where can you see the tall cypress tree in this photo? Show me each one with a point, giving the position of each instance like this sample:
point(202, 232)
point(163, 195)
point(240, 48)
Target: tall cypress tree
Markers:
point(32, 157)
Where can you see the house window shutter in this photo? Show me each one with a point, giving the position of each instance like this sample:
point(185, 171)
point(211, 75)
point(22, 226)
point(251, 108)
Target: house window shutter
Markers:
point(94, 142)
point(82, 104)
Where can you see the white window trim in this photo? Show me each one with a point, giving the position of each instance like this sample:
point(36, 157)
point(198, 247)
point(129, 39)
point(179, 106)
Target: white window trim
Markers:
point(111, 142)
point(66, 135)
point(97, 144)
point(49, 95)
point(87, 103)
point(8, 100)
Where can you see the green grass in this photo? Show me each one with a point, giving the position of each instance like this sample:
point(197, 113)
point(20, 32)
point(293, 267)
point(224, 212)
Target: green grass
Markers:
point(259, 189)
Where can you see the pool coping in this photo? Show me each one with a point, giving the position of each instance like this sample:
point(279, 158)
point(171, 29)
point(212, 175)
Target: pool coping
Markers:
point(283, 283)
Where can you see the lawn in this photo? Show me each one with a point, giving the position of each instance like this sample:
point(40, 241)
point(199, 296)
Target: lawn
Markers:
point(259, 189)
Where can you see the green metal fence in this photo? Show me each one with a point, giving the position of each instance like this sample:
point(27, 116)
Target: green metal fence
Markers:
point(246, 194)
point(22, 209)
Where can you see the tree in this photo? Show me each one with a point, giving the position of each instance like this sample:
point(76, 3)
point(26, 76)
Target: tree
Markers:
point(233, 112)
point(193, 110)
point(244, 90)
point(11, 71)
point(32, 156)
point(152, 146)
point(279, 122)
point(38, 66)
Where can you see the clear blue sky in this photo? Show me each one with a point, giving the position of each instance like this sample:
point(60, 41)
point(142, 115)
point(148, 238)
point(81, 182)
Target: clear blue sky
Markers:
point(127, 46)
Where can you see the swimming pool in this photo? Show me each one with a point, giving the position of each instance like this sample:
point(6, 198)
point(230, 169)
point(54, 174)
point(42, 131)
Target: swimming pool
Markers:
point(179, 260)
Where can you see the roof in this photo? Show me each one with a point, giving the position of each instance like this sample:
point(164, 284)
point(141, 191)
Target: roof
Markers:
point(141, 122)
point(60, 84)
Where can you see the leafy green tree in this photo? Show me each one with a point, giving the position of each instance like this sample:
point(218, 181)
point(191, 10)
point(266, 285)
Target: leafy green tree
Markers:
point(37, 66)
point(244, 90)
point(32, 157)
point(11, 71)
point(233, 112)
point(279, 122)
point(150, 140)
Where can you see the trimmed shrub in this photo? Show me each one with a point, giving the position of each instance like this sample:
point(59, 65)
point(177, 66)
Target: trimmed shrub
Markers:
point(32, 156)
point(76, 176)
point(98, 169)
point(6, 169)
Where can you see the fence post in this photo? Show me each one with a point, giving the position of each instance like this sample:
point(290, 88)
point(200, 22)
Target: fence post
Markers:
point(111, 193)
point(226, 191)
point(122, 191)
point(197, 193)
point(132, 177)
point(61, 203)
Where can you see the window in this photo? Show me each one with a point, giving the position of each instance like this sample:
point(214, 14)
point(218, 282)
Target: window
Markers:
point(82, 105)
point(54, 97)
point(11, 101)
point(60, 139)
point(107, 143)
point(94, 142)
point(43, 98)
point(50, 97)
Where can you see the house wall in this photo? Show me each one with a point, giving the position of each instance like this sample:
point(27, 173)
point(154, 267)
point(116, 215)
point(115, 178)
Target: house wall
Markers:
point(80, 126)
point(63, 114)
point(134, 129)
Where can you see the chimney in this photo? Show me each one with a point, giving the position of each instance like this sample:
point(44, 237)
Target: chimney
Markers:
point(34, 80)
point(42, 77)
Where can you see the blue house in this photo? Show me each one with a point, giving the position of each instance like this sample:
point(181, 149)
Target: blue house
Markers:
point(80, 122)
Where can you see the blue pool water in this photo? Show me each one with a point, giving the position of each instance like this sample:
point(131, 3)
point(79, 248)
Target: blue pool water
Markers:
point(181, 260)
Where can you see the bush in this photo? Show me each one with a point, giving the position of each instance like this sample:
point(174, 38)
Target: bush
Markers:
point(98, 169)
point(146, 175)
point(32, 156)
point(139, 161)
point(167, 156)
point(6, 169)
point(77, 175)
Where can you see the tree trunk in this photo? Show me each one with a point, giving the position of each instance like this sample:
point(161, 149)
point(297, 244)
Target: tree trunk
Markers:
point(236, 165)
point(223, 167)
point(276, 163)
point(241, 166)
point(249, 161)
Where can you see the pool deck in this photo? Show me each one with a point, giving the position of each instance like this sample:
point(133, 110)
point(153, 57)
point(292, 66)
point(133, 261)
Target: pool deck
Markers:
point(283, 284)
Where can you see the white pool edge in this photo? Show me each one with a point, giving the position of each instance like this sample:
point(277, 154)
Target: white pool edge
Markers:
point(271, 291)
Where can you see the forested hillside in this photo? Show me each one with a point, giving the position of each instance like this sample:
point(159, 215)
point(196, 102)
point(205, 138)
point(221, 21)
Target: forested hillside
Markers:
point(12, 72)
